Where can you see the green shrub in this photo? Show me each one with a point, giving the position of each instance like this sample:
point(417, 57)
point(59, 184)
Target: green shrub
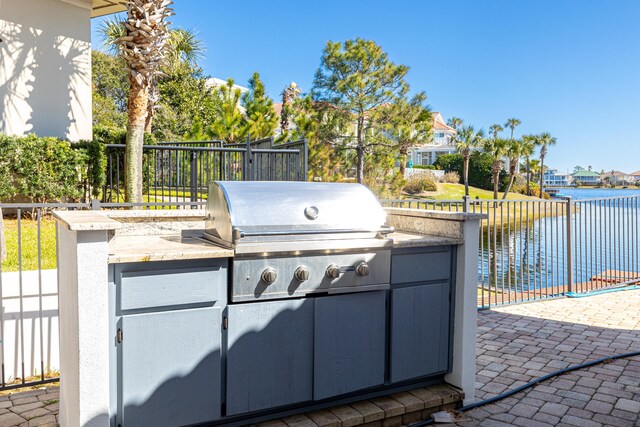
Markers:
point(50, 169)
point(40, 169)
point(479, 168)
point(420, 182)
point(428, 167)
point(451, 178)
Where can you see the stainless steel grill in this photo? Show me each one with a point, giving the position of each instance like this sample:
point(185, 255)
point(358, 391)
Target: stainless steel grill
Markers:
point(295, 238)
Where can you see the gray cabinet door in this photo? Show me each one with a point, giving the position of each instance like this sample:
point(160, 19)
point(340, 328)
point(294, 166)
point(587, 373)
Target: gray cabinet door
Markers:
point(270, 355)
point(171, 367)
point(349, 343)
point(419, 331)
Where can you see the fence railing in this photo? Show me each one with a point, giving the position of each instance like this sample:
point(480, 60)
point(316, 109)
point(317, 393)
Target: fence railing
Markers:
point(29, 340)
point(181, 171)
point(537, 249)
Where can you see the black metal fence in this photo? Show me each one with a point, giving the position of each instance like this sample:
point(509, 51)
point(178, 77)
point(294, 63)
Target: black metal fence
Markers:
point(181, 171)
point(29, 339)
point(538, 249)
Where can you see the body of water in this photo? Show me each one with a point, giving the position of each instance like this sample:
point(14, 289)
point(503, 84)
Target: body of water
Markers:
point(590, 193)
point(524, 245)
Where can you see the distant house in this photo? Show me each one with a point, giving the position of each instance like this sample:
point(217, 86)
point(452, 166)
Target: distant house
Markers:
point(586, 177)
point(442, 143)
point(636, 176)
point(214, 82)
point(618, 178)
point(554, 179)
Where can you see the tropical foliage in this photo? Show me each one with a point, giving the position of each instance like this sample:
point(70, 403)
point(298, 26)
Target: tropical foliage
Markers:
point(465, 141)
point(358, 119)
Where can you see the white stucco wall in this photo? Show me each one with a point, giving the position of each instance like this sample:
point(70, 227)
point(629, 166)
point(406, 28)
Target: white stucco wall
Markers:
point(45, 71)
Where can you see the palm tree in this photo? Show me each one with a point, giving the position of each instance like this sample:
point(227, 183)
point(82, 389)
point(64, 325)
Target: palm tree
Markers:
point(529, 144)
point(512, 124)
point(494, 130)
point(497, 149)
point(545, 141)
point(142, 46)
point(465, 141)
point(289, 94)
point(514, 150)
point(455, 122)
point(182, 46)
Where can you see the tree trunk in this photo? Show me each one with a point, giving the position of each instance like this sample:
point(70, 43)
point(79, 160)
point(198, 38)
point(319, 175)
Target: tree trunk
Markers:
point(403, 162)
point(151, 103)
point(541, 176)
point(3, 240)
point(497, 166)
point(465, 173)
point(137, 112)
point(360, 165)
point(149, 120)
point(528, 176)
point(512, 177)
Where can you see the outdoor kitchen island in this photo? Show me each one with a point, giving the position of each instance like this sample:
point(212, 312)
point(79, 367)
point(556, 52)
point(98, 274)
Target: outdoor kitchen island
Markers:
point(160, 326)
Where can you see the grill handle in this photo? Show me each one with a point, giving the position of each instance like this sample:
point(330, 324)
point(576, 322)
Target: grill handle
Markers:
point(238, 233)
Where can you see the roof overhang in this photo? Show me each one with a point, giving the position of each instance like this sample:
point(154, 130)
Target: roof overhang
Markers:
point(106, 7)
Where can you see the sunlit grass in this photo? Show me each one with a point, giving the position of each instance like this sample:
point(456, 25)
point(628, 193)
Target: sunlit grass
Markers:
point(29, 244)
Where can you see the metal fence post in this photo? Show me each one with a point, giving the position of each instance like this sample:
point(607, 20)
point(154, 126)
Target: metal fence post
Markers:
point(194, 177)
point(570, 284)
point(306, 161)
point(95, 204)
point(465, 204)
point(247, 162)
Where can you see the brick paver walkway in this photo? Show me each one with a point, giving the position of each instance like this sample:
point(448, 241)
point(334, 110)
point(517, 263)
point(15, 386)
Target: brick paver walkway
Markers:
point(515, 345)
point(519, 343)
point(30, 408)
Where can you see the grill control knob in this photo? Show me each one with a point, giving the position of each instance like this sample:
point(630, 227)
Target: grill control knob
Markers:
point(333, 271)
point(302, 273)
point(362, 269)
point(269, 275)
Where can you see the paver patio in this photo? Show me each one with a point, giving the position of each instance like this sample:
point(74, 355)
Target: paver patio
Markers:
point(516, 344)
point(30, 408)
point(519, 343)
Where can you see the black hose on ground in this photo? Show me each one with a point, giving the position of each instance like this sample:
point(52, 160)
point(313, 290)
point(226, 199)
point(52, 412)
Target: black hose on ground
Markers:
point(534, 382)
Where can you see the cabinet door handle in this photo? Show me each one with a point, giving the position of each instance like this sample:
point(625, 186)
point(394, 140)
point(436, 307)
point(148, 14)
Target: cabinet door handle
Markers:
point(119, 336)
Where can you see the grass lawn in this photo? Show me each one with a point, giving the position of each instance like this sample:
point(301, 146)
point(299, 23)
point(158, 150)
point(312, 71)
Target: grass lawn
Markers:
point(503, 213)
point(456, 192)
point(29, 240)
point(173, 194)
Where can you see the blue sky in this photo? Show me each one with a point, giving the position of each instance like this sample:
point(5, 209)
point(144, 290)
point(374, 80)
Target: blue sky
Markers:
point(568, 67)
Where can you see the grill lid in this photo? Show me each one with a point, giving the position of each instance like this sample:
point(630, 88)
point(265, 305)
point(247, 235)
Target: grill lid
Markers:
point(237, 209)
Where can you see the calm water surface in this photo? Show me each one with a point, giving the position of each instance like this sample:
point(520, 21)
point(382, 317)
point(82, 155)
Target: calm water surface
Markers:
point(531, 254)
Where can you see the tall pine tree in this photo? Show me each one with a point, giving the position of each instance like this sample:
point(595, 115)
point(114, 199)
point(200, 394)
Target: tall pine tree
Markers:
point(260, 116)
point(358, 78)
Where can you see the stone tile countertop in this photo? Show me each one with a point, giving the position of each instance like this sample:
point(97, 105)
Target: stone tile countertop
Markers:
point(163, 248)
point(144, 235)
